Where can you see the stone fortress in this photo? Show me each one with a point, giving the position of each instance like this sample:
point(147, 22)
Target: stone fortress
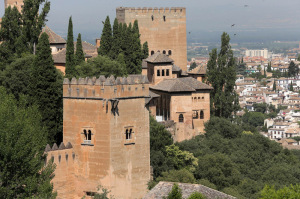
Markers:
point(164, 29)
point(106, 132)
point(106, 139)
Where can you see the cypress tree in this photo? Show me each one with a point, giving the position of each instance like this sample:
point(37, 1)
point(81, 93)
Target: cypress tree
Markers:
point(79, 55)
point(106, 39)
point(11, 28)
point(116, 41)
point(70, 59)
point(265, 75)
point(221, 75)
point(137, 53)
point(269, 69)
point(145, 50)
point(47, 89)
point(291, 86)
point(274, 85)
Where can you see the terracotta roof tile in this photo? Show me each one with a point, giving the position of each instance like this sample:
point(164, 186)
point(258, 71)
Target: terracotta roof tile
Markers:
point(186, 84)
point(159, 58)
point(53, 37)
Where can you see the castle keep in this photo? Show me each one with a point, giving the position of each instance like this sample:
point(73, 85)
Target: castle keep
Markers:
point(106, 138)
point(164, 29)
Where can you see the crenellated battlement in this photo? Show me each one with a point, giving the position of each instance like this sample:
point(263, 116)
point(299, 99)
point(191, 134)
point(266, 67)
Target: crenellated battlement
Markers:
point(106, 88)
point(160, 10)
point(62, 154)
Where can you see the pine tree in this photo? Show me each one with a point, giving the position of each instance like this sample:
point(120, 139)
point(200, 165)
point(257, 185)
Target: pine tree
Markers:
point(70, 58)
point(221, 75)
point(79, 55)
point(116, 41)
point(145, 50)
point(47, 90)
point(106, 39)
point(22, 143)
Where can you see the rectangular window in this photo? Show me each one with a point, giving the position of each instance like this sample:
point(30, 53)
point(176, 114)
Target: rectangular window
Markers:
point(195, 115)
point(163, 72)
point(158, 72)
point(167, 72)
point(129, 135)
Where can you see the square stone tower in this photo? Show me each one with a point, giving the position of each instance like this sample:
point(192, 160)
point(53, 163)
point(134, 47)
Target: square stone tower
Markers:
point(106, 122)
point(164, 29)
point(18, 3)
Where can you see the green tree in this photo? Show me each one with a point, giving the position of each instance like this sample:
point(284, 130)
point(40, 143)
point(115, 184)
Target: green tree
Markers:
point(291, 192)
point(181, 175)
point(274, 85)
point(10, 29)
point(260, 107)
point(47, 90)
point(106, 39)
point(79, 55)
point(159, 139)
point(293, 69)
point(269, 69)
point(116, 41)
point(175, 193)
point(254, 118)
point(22, 143)
point(221, 75)
point(16, 77)
point(70, 57)
point(265, 75)
point(193, 65)
point(145, 50)
point(196, 195)
point(291, 86)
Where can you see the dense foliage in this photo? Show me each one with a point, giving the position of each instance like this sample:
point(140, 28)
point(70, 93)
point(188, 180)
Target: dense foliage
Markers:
point(22, 143)
point(221, 75)
point(234, 160)
point(125, 41)
point(20, 31)
point(293, 69)
point(291, 192)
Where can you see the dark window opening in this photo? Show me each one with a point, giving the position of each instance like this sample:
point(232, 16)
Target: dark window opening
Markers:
point(87, 139)
point(85, 134)
point(163, 73)
point(181, 118)
point(89, 193)
point(152, 52)
point(59, 158)
point(164, 18)
point(195, 99)
point(167, 72)
point(199, 98)
point(164, 52)
point(67, 157)
point(201, 115)
point(170, 52)
point(128, 134)
point(202, 97)
point(152, 17)
point(158, 72)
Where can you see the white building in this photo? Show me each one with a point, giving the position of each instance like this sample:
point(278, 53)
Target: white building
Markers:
point(257, 53)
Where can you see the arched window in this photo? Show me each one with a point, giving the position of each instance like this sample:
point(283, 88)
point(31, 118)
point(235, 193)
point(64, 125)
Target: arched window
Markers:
point(164, 17)
point(170, 52)
point(158, 72)
point(163, 72)
point(181, 118)
point(164, 52)
point(201, 115)
point(152, 52)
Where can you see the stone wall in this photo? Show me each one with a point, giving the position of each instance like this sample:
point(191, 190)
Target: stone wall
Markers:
point(18, 3)
point(99, 115)
point(163, 28)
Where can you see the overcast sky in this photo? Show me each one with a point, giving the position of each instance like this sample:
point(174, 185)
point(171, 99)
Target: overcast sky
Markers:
point(208, 15)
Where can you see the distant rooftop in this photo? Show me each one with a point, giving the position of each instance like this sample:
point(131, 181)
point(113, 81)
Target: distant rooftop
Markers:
point(159, 58)
point(53, 37)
